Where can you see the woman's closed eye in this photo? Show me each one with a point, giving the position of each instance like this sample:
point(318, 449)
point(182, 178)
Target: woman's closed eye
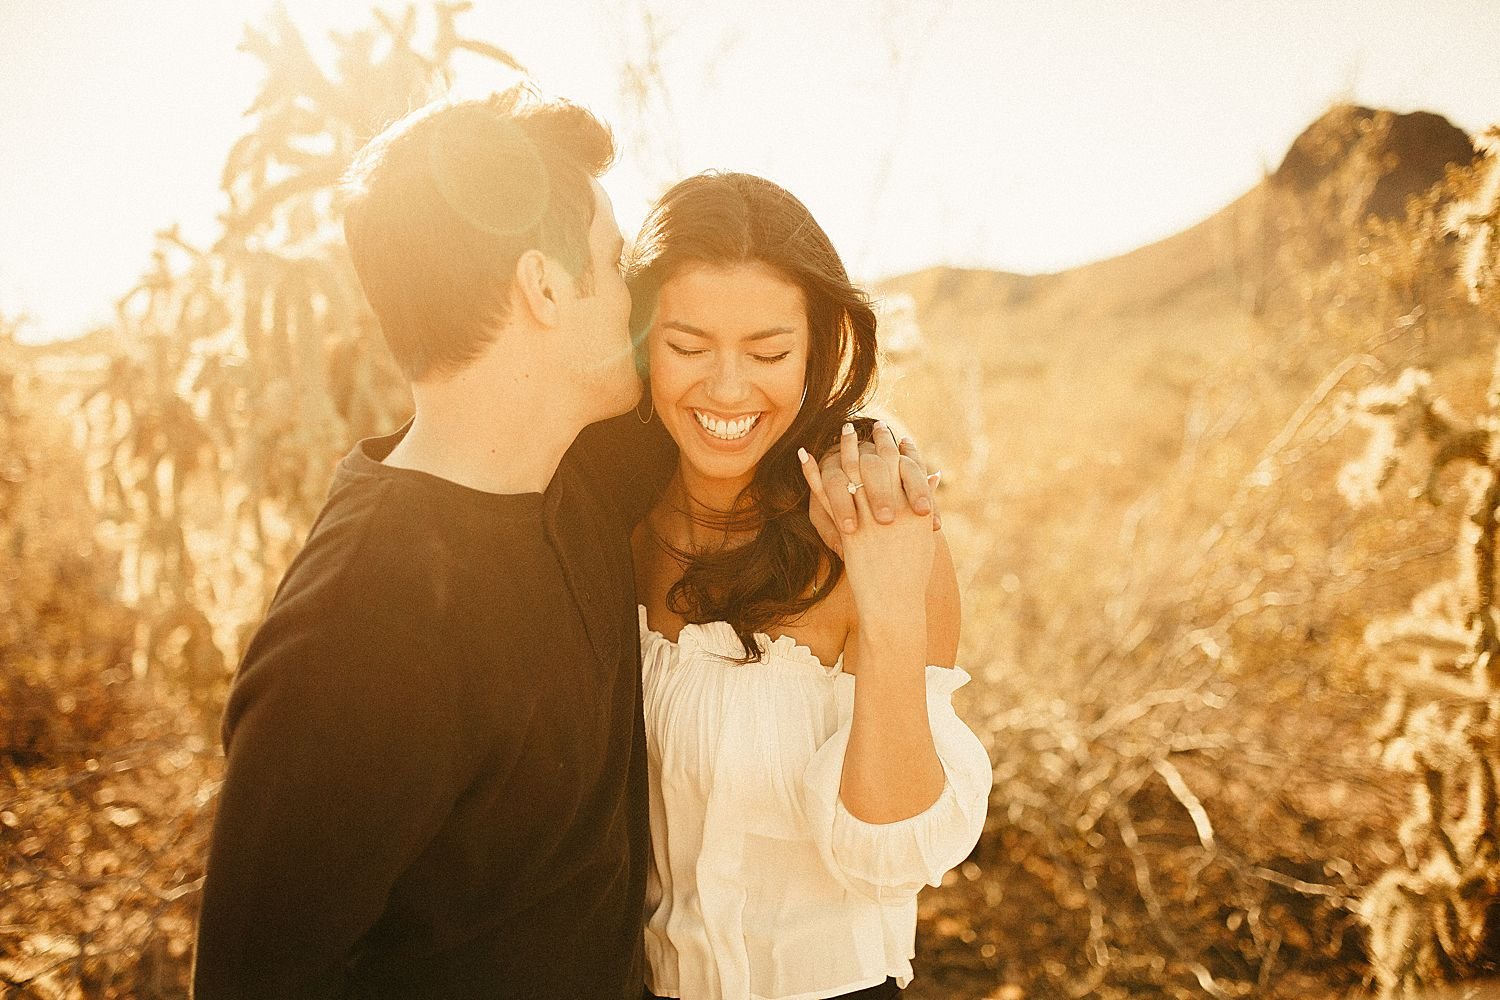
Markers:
point(694, 352)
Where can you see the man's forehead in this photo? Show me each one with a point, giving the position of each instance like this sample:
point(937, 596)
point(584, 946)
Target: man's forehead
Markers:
point(602, 200)
point(604, 210)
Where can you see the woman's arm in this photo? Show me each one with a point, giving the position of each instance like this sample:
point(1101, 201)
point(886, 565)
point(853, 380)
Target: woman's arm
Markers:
point(944, 614)
point(898, 794)
point(905, 616)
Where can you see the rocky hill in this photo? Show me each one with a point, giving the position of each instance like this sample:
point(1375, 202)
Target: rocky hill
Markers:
point(1059, 403)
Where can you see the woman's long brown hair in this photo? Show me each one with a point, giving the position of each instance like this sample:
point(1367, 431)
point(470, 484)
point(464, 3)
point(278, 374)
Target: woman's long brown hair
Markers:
point(725, 219)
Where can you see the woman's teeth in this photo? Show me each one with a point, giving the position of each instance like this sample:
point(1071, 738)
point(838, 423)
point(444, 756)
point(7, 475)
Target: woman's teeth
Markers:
point(727, 430)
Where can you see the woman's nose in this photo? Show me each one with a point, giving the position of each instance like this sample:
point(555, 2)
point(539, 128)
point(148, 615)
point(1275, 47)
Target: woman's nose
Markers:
point(727, 383)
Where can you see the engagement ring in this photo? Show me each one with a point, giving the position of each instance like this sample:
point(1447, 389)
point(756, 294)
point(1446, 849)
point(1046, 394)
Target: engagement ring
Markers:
point(854, 488)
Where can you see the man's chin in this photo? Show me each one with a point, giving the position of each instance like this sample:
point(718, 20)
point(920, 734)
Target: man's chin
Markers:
point(628, 399)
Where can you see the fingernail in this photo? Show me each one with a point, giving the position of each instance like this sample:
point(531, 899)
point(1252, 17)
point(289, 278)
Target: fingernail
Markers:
point(848, 428)
point(880, 425)
point(848, 525)
point(885, 514)
point(937, 521)
point(907, 442)
point(935, 477)
point(923, 506)
point(802, 455)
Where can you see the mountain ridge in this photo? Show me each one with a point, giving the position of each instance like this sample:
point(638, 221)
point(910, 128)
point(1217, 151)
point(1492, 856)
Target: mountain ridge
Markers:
point(1063, 401)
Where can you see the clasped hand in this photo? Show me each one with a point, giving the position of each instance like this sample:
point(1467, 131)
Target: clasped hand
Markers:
point(889, 559)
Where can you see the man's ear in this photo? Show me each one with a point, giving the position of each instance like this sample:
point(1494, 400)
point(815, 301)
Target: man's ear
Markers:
point(534, 287)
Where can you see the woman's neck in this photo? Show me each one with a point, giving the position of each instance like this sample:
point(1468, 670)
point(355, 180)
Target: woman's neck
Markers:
point(700, 514)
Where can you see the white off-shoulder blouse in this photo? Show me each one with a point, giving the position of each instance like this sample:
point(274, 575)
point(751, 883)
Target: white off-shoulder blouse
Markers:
point(762, 885)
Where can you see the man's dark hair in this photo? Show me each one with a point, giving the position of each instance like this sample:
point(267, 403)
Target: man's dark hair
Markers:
point(440, 206)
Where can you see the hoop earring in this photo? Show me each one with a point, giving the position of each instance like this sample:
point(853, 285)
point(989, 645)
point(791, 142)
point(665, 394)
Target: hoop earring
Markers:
point(650, 407)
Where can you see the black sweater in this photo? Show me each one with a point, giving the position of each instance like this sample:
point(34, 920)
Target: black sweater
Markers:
point(436, 780)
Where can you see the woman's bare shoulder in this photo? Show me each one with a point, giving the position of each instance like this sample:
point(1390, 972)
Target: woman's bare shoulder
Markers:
point(824, 627)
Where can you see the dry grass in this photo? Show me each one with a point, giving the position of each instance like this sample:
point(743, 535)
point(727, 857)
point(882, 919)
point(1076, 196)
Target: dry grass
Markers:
point(1169, 599)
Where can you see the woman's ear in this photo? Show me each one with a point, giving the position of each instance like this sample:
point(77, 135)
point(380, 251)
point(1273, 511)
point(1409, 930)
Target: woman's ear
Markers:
point(534, 287)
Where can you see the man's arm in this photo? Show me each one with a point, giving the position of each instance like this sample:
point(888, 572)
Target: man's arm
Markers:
point(632, 462)
point(342, 765)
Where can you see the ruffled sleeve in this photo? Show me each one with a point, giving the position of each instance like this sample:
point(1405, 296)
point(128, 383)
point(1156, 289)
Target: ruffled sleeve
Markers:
point(890, 862)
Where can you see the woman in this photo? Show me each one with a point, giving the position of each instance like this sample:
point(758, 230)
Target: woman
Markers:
point(808, 774)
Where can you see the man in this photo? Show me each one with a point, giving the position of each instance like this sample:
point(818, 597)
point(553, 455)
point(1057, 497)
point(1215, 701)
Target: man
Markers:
point(436, 758)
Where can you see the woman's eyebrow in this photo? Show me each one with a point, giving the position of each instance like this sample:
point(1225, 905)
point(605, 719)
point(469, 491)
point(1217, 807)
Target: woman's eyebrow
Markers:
point(775, 331)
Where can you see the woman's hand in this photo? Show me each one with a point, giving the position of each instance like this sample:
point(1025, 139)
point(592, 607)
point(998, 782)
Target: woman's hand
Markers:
point(834, 512)
point(889, 564)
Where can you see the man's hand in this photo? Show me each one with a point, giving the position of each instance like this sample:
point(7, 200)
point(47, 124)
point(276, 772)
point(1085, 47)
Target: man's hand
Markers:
point(832, 508)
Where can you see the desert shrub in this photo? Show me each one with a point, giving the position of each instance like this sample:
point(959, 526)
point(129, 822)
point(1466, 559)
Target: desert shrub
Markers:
point(1186, 799)
point(1432, 915)
point(242, 371)
point(104, 783)
point(155, 480)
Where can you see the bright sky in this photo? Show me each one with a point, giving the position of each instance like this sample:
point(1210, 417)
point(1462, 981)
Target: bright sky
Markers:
point(1008, 134)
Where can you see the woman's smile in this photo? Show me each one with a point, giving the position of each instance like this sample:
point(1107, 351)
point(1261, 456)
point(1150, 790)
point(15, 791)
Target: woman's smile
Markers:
point(728, 352)
point(728, 429)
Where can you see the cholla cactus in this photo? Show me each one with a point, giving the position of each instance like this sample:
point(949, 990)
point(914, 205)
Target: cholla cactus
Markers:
point(1431, 916)
point(1397, 416)
point(1434, 915)
point(1475, 220)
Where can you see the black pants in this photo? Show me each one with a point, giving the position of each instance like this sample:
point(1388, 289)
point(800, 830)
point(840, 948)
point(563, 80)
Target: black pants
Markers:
point(885, 991)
